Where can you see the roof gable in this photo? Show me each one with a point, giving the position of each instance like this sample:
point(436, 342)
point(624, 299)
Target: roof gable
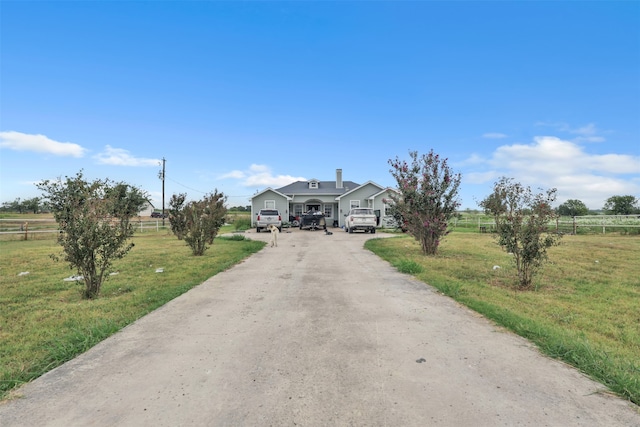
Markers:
point(386, 190)
point(379, 189)
point(272, 190)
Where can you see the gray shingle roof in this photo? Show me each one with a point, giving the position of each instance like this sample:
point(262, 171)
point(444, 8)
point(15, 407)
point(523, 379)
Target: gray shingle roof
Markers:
point(324, 188)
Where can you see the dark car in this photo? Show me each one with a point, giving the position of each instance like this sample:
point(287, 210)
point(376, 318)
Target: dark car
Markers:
point(158, 215)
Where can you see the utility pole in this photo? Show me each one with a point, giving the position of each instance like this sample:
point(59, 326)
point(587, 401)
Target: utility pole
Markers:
point(161, 176)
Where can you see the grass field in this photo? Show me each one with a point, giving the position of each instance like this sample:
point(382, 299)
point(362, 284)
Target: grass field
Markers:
point(43, 320)
point(585, 310)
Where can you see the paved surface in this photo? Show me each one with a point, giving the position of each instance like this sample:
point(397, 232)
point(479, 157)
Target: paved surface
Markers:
point(315, 332)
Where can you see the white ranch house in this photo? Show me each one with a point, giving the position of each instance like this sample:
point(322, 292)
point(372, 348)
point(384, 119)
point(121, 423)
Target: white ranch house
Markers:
point(334, 198)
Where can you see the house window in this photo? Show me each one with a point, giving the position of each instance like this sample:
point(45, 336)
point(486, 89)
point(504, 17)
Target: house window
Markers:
point(269, 204)
point(354, 204)
point(313, 184)
point(328, 211)
point(297, 210)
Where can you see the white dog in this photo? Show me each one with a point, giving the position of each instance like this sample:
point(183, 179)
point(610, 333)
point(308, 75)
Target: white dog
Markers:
point(274, 235)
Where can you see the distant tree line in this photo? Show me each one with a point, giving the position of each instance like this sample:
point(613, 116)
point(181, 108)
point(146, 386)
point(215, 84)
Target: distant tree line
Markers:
point(40, 205)
point(33, 205)
point(614, 205)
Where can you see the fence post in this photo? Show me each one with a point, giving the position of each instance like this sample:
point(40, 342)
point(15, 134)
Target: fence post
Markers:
point(575, 226)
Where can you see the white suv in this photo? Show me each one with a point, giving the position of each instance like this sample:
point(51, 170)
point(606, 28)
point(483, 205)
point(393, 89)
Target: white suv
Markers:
point(266, 217)
point(360, 219)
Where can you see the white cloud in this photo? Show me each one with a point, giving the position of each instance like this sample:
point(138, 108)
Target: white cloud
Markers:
point(586, 133)
point(261, 176)
point(551, 156)
point(547, 155)
point(587, 130)
point(234, 175)
point(473, 159)
point(480, 177)
point(550, 162)
point(121, 157)
point(19, 141)
point(259, 168)
point(494, 135)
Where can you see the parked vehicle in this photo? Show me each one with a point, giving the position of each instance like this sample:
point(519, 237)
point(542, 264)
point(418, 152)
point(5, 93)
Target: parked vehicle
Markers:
point(360, 219)
point(267, 217)
point(158, 215)
point(313, 220)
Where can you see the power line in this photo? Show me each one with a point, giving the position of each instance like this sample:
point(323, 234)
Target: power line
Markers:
point(187, 187)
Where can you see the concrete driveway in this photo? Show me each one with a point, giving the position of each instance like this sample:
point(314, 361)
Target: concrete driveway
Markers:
point(315, 332)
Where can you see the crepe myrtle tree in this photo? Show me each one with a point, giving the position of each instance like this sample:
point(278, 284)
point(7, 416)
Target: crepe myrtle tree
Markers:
point(197, 222)
point(522, 219)
point(94, 218)
point(427, 197)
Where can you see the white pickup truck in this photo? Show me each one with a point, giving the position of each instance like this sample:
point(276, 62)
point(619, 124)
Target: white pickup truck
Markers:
point(267, 217)
point(360, 219)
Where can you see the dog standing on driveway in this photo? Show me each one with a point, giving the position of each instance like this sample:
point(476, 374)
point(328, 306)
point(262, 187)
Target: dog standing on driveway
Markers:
point(274, 235)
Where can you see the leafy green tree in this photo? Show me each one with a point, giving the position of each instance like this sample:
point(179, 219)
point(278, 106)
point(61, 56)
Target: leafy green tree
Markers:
point(94, 220)
point(31, 205)
point(13, 206)
point(427, 199)
point(573, 207)
point(522, 220)
point(197, 222)
point(621, 205)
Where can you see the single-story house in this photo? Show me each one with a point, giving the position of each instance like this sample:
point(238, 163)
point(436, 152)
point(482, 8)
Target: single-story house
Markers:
point(334, 198)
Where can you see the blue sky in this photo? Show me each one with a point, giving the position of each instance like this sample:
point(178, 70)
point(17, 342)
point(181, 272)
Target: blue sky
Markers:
point(240, 96)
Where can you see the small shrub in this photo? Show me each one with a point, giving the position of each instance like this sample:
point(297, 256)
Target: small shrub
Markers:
point(408, 267)
point(521, 219)
point(234, 237)
point(242, 224)
point(454, 290)
point(197, 222)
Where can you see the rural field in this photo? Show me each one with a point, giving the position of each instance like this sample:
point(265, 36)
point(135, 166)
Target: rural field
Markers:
point(585, 310)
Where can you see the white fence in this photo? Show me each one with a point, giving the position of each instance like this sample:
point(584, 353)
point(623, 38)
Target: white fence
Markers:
point(569, 225)
point(600, 222)
point(15, 226)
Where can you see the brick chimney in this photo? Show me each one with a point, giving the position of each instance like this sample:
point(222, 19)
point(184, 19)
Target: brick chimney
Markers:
point(338, 178)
